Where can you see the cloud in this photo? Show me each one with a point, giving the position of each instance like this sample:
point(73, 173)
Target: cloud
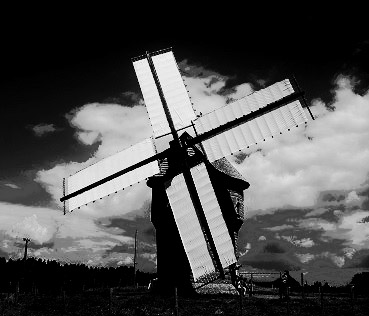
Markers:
point(317, 212)
point(31, 228)
point(207, 89)
point(115, 127)
point(330, 153)
point(304, 242)
point(339, 261)
point(273, 248)
point(12, 185)
point(262, 238)
point(43, 129)
point(150, 256)
point(95, 244)
point(73, 238)
point(305, 257)
point(280, 227)
point(125, 261)
point(349, 227)
point(246, 249)
point(352, 197)
point(349, 252)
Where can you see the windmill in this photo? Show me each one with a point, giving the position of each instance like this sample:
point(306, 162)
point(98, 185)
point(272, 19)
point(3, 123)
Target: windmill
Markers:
point(197, 204)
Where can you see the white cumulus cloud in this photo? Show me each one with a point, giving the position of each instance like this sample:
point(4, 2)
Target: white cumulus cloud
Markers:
point(303, 242)
point(116, 128)
point(31, 228)
point(331, 153)
point(352, 197)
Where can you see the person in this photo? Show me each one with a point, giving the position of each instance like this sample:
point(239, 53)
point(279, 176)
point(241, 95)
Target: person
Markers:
point(284, 285)
point(237, 279)
point(242, 285)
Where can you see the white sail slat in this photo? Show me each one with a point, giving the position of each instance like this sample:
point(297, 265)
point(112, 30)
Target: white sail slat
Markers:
point(107, 167)
point(189, 229)
point(174, 91)
point(254, 131)
point(151, 97)
point(214, 217)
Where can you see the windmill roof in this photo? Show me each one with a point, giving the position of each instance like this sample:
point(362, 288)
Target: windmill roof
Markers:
point(226, 167)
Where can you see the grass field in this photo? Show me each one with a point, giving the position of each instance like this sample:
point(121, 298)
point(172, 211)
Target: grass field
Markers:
point(140, 302)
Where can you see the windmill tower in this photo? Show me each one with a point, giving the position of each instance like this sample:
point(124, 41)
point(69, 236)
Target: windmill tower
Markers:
point(197, 204)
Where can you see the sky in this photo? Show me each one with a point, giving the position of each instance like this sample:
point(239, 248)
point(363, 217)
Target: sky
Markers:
point(69, 97)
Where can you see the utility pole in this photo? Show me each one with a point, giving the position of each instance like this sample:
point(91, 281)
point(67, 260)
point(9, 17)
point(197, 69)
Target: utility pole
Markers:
point(134, 261)
point(27, 240)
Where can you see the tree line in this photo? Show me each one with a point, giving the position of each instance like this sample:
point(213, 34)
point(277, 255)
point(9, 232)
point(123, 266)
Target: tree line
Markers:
point(50, 276)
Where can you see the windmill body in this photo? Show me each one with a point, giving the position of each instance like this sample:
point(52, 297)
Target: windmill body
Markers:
point(173, 265)
point(197, 204)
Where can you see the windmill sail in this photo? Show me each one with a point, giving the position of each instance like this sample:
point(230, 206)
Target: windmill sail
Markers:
point(189, 228)
point(174, 90)
point(213, 215)
point(107, 167)
point(254, 131)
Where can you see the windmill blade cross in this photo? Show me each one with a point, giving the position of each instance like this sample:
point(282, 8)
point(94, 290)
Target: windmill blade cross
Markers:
point(160, 80)
point(198, 139)
point(203, 204)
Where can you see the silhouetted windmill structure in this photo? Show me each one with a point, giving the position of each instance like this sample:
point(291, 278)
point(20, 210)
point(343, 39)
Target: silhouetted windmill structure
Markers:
point(197, 195)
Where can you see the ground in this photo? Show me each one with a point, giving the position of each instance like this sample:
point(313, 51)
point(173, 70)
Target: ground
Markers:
point(141, 302)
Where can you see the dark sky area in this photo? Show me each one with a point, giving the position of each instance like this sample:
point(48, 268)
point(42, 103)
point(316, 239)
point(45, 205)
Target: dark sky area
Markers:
point(57, 59)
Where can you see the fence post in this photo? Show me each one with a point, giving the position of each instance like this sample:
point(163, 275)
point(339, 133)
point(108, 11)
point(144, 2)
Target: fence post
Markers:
point(280, 285)
point(110, 299)
point(17, 292)
point(251, 285)
point(302, 286)
point(241, 304)
point(64, 300)
point(352, 292)
point(321, 299)
point(176, 313)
